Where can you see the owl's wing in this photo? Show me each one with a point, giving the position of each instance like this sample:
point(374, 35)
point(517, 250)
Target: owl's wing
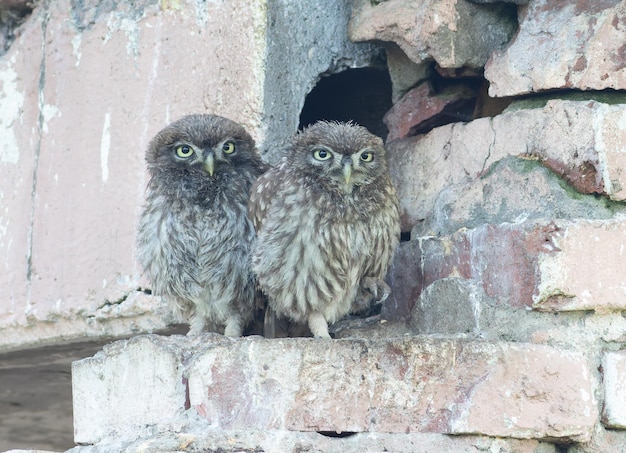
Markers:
point(261, 195)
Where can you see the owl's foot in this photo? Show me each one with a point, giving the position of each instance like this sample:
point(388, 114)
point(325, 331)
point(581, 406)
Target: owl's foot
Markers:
point(234, 327)
point(197, 324)
point(373, 291)
point(318, 325)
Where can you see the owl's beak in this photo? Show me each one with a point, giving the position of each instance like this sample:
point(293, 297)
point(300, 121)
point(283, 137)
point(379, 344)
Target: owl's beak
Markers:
point(347, 171)
point(209, 163)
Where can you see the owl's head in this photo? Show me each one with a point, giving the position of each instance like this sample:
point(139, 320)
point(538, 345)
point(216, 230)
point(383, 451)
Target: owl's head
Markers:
point(342, 155)
point(201, 145)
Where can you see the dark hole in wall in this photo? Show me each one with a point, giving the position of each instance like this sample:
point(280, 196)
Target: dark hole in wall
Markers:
point(362, 95)
point(336, 434)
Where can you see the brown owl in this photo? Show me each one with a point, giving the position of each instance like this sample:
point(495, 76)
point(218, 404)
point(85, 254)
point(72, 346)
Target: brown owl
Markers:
point(195, 235)
point(327, 225)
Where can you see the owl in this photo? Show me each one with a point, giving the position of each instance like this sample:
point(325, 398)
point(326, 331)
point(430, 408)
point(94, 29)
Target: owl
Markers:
point(194, 235)
point(327, 225)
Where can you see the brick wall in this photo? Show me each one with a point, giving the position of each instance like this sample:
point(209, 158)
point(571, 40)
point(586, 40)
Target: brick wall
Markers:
point(505, 328)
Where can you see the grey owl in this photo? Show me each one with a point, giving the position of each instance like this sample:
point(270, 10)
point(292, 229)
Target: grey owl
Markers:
point(327, 225)
point(195, 235)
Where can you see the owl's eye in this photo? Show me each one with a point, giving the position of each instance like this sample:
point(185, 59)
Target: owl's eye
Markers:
point(367, 156)
point(321, 154)
point(228, 147)
point(184, 151)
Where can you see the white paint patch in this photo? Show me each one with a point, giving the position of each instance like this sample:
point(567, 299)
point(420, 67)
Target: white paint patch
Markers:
point(48, 111)
point(105, 146)
point(11, 102)
point(76, 42)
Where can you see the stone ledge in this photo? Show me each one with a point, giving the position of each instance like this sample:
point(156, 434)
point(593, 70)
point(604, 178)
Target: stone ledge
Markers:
point(405, 385)
point(295, 442)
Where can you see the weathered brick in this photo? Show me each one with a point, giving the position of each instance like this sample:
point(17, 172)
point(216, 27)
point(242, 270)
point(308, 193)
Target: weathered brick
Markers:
point(417, 384)
point(582, 142)
point(574, 45)
point(502, 259)
point(585, 269)
point(614, 379)
point(127, 388)
point(454, 34)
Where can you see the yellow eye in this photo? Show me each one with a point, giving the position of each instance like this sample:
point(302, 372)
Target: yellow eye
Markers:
point(367, 156)
point(184, 151)
point(321, 154)
point(228, 147)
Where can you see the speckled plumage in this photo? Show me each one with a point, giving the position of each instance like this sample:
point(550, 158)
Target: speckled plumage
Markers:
point(195, 235)
point(327, 225)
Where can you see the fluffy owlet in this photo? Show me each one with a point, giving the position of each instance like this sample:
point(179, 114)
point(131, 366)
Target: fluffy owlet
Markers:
point(195, 234)
point(327, 225)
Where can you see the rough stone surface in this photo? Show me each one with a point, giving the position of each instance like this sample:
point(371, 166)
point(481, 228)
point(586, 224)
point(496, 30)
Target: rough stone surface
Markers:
point(582, 142)
point(555, 265)
point(503, 259)
point(453, 33)
point(128, 388)
point(578, 45)
point(614, 377)
point(513, 190)
point(448, 306)
point(405, 385)
point(586, 271)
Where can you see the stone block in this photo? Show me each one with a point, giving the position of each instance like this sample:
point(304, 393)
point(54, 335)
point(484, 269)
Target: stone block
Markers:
point(449, 305)
point(570, 44)
point(581, 141)
point(513, 190)
point(614, 379)
point(405, 279)
point(407, 385)
point(453, 33)
point(502, 259)
point(584, 271)
point(127, 388)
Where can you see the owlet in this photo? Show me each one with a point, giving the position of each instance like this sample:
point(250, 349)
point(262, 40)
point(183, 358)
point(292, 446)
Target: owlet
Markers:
point(195, 234)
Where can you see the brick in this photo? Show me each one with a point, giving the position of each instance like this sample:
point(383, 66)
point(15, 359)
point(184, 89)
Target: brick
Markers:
point(127, 388)
point(586, 37)
point(454, 34)
point(614, 379)
point(581, 141)
point(502, 259)
point(585, 272)
point(406, 385)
